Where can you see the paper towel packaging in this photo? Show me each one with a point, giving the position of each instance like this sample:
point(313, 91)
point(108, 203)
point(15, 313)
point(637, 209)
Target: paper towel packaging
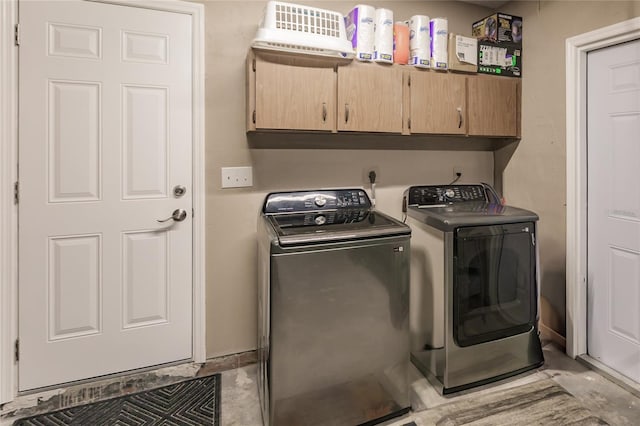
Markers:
point(439, 35)
point(419, 41)
point(463, 53)
point(359, 26)
point(400, 43)
point(383, 36)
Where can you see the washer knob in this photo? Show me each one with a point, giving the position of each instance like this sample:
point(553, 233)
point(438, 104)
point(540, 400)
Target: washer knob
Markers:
point(450, 193)
point(320, 219)
point(320, 201)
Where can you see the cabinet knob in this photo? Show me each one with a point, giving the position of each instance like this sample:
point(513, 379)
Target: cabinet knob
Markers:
point(324, 112)
point(346, 113)
point(459, 117)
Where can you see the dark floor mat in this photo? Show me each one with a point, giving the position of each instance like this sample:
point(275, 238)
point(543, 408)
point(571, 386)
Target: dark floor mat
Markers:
point(194, 402)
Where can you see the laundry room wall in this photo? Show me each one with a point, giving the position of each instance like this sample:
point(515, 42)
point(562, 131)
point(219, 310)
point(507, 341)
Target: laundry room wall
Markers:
point(232, 213)
point(534, 176)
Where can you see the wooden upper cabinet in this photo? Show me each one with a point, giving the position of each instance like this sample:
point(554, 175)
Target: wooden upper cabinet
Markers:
point(369, 98)
point(291, 97)
point(493, 106)
point(438, 103)
point(296, 93)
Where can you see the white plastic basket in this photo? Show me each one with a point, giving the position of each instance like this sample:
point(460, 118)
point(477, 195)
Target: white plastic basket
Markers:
point(303, 29)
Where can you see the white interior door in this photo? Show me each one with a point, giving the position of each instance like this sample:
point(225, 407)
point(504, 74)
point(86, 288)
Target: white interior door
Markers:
point(613, 128)
point(105, 135)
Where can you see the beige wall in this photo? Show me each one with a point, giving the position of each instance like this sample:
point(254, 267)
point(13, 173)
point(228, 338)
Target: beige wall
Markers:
point(534, 177)
point(232, 213)
point(533, 173)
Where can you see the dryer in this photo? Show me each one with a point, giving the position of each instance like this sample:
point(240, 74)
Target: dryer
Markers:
point(474, 286)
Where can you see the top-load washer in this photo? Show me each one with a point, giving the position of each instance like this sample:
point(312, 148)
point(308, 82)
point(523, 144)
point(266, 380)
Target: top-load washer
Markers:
point(474, 286)
point(333, 298)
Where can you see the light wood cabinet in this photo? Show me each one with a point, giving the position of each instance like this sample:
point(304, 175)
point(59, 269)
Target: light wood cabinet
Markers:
point(370, 98)
point(493, 106)
point(287, 96)
point(294, 93)
point(437, 103)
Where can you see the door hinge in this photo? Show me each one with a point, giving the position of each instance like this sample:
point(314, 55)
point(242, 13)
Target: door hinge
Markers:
point(253, 65)
point(17, 350)
point(17, 34)
point(16, 193)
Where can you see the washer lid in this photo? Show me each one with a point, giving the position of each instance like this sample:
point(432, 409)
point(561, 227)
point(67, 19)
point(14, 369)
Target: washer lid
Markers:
point(318, 216)
point(448, 217)
point(334, 225)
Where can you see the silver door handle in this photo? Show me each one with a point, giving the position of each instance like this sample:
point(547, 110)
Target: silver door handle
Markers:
point(178, 215)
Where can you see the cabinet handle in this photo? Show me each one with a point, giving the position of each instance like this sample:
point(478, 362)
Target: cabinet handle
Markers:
point(324, 112)
point(459, 117)
point(346, 113)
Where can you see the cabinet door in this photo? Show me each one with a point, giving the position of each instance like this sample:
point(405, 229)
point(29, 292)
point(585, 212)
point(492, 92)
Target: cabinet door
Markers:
point(437, 103)
point(370, 98)
point(493, 106)
point(294, 97)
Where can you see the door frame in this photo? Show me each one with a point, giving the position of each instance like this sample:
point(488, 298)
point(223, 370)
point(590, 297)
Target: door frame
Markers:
point(9, 175)
point(576, 139)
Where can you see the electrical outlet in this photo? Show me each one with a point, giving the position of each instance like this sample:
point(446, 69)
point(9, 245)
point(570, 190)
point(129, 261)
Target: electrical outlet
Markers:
point(367, 171)
point(237, 177)
point(457, 172)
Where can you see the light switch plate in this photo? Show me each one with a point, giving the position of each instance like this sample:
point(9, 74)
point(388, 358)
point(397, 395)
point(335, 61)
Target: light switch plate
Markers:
point(237, 177)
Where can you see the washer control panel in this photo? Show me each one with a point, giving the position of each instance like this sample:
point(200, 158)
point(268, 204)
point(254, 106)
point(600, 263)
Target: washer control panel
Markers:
point(320, 200)
point(444, 194)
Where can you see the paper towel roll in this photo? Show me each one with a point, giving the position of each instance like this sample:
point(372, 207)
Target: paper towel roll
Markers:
point(439, 35)
point(420, 41)
point(359, 24)
point(400, 43)
point(383, 36)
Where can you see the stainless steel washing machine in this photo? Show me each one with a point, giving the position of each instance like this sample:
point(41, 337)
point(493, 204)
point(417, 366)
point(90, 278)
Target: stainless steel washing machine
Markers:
point(333, 310)
point(474, 286)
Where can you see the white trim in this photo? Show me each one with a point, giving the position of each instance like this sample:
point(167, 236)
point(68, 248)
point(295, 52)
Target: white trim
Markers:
point(576, 80)
point(8, 210)
point(8, 175)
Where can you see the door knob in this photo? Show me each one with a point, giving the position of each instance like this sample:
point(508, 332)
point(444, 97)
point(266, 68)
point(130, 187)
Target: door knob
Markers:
point(178, 215)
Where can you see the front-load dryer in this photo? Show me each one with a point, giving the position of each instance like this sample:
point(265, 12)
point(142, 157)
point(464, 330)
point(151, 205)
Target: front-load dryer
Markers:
point(474, 286)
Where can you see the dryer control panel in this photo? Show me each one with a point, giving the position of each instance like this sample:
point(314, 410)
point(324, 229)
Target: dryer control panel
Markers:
point(444, 194)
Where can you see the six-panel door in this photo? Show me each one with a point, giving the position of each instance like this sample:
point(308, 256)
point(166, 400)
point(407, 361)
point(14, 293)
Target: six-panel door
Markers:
point(105, 136)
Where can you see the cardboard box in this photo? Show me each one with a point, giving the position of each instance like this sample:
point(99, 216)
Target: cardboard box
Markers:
point(463, 53)
point(500, 58)
point(499, 27)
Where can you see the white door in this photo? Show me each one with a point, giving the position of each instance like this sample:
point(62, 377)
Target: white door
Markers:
point(105, 136)
point(614, 207)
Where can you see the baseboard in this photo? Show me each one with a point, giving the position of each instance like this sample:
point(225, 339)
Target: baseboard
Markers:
point(228, 362)
point(553, 335)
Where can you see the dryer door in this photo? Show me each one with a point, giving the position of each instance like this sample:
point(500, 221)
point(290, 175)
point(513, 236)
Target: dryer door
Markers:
point(494, 293)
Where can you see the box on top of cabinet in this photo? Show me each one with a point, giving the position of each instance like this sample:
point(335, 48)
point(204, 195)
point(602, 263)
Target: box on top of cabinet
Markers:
point(463, 53)
point(499, 27)
point(500, 58)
